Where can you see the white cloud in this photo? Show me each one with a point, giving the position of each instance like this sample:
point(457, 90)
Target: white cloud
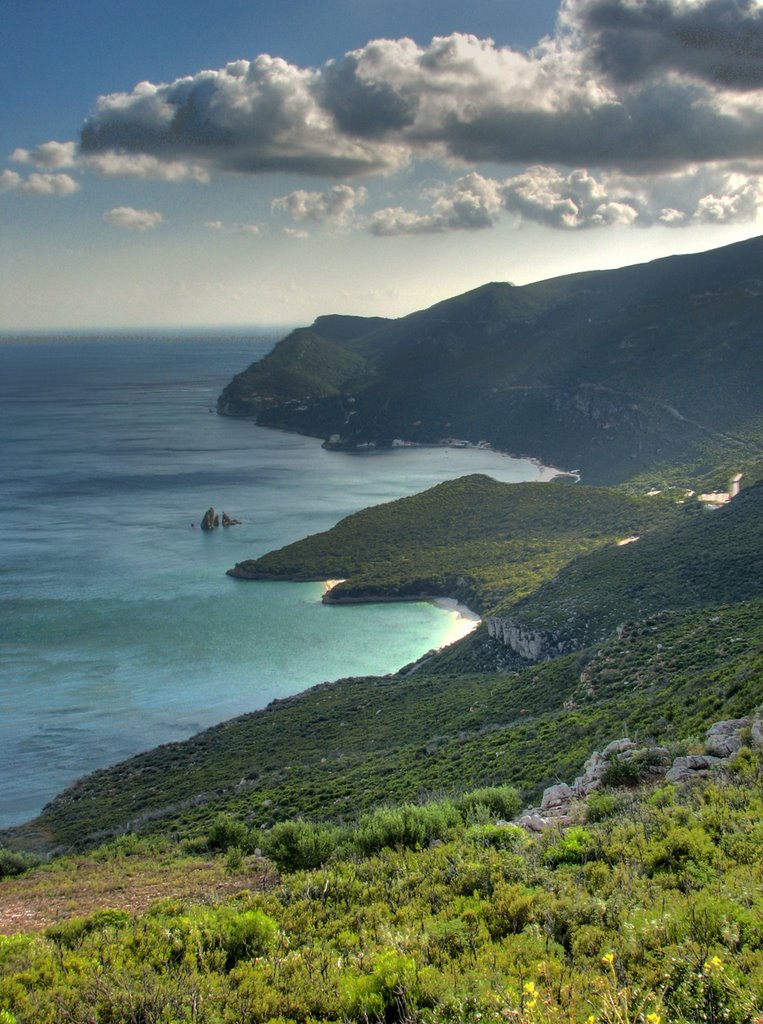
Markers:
point(297, 233)
point(9, 180)
point(235, 229)
point(740, 201)
point(49, 155)
point(579, 200)
point(111, 164)
point(133, 220)
point(38, 184)
point(470, 204)
point(336, 206)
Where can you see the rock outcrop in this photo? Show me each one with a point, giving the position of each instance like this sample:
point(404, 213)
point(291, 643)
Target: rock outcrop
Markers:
point(210, 520)
point(624, 758)
point(531, 644)
point(229, 521)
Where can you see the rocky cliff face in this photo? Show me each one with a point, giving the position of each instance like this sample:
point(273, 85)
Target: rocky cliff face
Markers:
point(531, 644)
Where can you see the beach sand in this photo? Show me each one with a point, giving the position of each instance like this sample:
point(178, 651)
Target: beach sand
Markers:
point(465, 621)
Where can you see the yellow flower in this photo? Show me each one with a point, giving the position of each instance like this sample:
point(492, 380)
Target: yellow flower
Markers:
point(530, 989)
point(653, 1018)
point(591, 1020)
point(608, 959)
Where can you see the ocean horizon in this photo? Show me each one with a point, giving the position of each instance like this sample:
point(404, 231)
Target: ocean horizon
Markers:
point(120, 629)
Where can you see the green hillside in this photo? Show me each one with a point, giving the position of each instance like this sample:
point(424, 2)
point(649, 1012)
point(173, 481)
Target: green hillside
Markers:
point(651, 369)
point(472, 538)
point(479, 713)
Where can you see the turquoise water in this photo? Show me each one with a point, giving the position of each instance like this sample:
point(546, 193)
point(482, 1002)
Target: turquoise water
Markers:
point(119, 627)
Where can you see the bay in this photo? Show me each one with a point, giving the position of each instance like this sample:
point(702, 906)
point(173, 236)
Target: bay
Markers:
point(119, 627)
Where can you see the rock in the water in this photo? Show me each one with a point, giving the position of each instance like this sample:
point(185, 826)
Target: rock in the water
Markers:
point(228, 521)
point(211, 520)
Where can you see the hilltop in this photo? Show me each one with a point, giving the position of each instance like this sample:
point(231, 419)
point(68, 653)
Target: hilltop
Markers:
point(652, 369)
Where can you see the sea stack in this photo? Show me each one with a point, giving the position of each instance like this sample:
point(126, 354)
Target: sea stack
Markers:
point(211, 520)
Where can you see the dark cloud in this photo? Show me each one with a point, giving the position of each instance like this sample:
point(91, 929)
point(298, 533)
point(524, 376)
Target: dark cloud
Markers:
point(718, 41)
point(362, 104)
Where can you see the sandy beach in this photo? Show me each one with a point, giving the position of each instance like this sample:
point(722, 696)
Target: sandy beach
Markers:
point(465, 621)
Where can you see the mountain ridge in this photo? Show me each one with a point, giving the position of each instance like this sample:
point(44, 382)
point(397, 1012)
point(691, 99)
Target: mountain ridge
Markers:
point(618, 373)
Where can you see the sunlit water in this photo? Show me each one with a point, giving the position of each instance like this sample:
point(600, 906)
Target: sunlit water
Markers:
point(120, 629)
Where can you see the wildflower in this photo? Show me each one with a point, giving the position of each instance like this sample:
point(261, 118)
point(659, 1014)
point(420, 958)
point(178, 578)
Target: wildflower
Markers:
point(608, 959)
point(530, 989)
point(653, 1018)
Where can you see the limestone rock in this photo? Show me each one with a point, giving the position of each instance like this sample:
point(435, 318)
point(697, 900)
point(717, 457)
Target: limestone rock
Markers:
point(531, 644)
point(228, 521)
point(724, 738)
point(211, 520)
point(556, 796)
point(691, 767)
point(621, 747)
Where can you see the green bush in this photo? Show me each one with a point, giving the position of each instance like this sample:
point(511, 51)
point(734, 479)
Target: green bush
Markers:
point(300, 845)
point(225, 833)
point(12, 863)
point(621, 772)
point(571, 847)
point(600, 806)
point(410, 826)
point(500, 801)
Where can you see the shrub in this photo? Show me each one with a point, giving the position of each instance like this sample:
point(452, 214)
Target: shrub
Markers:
point(12, 863)
point(600, 806)
point(225, 833)
point(300, 845)
point(571, 847)
point(500, 801)
point(409, 825)
point(622, 772)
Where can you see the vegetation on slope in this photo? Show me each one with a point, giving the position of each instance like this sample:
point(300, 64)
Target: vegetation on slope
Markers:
point(711, 557)
point(649, 910)
point(472, 538)
point(648, 370)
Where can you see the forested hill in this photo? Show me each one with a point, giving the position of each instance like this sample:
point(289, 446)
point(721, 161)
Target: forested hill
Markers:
point(617, 373)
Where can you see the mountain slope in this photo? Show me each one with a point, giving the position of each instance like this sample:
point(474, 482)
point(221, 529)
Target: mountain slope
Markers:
point(616, 373)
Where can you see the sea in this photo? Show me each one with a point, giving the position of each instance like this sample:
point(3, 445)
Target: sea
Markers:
point(119, 628)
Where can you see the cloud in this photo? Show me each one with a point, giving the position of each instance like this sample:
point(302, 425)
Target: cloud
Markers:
point(248, 117)
point(133, 220)
point(628, 85)
point(235, 229)
point(576, 200)
point(38, 184)
point(716, 41)
point(49, 155)
point(335, 206)
point(111, 163)
point(581, 200)
point(297, 233)
point(9, 181)
point(470, 204)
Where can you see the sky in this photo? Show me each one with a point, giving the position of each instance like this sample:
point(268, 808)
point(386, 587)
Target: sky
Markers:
point(247, 162)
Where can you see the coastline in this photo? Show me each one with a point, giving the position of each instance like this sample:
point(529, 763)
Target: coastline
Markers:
point(463, 620)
